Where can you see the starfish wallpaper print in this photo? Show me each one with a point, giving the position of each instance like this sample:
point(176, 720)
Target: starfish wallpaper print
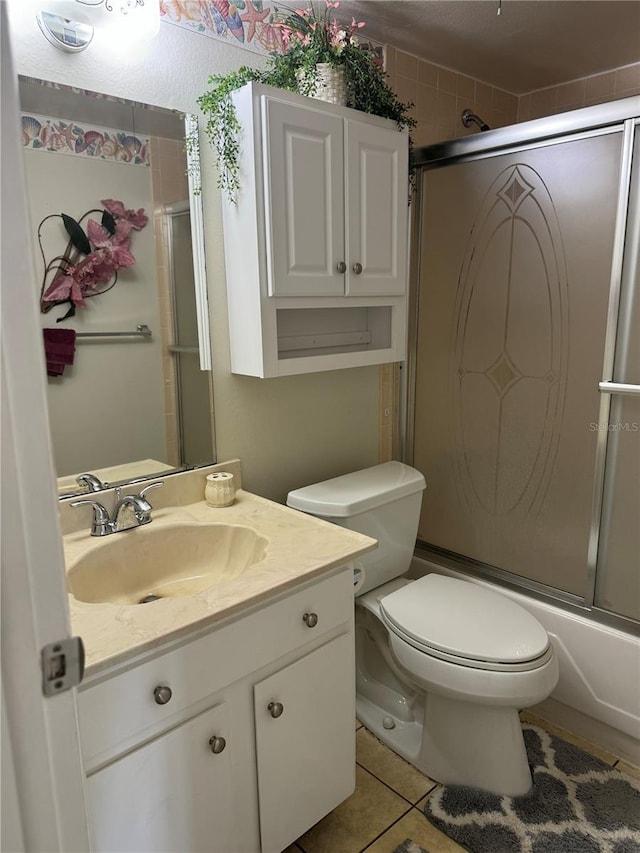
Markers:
point(245, 23)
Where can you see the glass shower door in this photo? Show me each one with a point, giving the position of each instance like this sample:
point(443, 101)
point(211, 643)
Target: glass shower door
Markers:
point(515, 259)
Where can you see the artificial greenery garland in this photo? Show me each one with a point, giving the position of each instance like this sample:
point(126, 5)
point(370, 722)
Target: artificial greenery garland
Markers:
point(294, 71)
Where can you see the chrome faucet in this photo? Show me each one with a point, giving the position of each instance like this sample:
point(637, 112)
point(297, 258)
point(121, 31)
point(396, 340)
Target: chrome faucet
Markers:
point(90, 482)
point(130, 511)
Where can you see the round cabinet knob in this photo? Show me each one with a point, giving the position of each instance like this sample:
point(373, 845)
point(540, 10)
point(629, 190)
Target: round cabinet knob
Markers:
point(310, 619)
point(357, 268)
point(217, 744)
point(342, 267)
point(162, 694)
point(275, 709)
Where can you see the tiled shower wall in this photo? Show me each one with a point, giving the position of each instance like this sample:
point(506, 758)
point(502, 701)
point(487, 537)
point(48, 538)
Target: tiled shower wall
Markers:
point(597, 89)
point(440, 96)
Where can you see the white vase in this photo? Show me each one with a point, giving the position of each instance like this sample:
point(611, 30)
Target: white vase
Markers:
point(328, 83)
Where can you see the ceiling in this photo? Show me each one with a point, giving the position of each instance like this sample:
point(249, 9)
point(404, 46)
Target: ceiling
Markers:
point(530, 45)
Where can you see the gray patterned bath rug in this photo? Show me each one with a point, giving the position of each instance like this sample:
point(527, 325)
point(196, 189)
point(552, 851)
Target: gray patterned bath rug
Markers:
point(409, 846)
point(578, 804)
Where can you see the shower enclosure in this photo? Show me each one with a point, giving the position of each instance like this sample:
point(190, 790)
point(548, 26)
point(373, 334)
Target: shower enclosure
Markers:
point(192, 385)
point(524, 402)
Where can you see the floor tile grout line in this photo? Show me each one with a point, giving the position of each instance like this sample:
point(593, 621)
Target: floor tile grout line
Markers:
point(429, 792)
point(408, 763)
point(393, 791)
point(386, 829)
point(387, 785)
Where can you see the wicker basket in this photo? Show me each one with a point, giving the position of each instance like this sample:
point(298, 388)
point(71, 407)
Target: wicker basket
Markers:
point(328, 83)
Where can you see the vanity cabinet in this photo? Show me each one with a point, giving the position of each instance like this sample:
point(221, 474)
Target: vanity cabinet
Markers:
point(171, 794)
point(255, 744)
point(316, 240)
point(304, 734)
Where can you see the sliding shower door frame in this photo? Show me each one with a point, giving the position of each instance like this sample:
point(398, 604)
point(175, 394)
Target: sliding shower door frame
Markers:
point(606, 385)
point(576, 122)
point(176, 349)
point(614, 117)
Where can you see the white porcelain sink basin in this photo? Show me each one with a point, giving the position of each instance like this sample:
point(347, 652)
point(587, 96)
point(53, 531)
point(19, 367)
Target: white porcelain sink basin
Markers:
point(166, 561)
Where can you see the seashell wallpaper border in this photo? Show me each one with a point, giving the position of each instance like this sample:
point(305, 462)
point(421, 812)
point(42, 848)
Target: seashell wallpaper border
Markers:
point(58, 136)
point(246, 23)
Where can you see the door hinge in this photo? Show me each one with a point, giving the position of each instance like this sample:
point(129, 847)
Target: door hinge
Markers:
point(62, 665)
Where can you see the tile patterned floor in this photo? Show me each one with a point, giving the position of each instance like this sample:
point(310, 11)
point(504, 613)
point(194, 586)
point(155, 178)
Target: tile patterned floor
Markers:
point(386, 807)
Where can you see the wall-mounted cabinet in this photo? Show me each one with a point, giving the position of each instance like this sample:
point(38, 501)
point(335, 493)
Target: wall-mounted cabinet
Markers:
point(316, 243)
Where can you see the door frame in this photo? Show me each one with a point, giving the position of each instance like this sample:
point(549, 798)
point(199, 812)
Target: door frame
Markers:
point(43, 780)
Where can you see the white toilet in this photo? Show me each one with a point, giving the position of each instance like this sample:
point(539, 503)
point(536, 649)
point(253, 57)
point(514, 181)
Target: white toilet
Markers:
point(443, 665)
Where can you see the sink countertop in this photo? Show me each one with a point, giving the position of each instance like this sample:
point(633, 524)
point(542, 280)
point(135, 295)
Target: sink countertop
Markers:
point(300, 548)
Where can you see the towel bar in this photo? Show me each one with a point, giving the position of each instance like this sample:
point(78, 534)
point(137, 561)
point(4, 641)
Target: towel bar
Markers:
point(141, 331)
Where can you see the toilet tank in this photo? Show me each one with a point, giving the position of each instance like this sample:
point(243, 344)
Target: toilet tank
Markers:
point(383, 502)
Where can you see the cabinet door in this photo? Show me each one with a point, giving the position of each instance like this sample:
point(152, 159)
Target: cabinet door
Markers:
point(306, 756)
point(174, 794)
point(377, 210)
point(304, 200)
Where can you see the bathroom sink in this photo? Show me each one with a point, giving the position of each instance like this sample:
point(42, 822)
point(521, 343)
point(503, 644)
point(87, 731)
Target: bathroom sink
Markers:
point(167, 561)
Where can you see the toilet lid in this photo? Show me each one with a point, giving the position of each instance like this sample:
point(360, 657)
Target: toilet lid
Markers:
point(464, 619)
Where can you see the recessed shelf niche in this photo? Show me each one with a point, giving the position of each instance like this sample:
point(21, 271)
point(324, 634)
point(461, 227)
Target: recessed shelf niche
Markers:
point(327, 331)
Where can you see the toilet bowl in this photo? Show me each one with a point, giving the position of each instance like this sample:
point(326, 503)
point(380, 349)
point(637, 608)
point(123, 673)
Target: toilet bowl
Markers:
point(442, 665)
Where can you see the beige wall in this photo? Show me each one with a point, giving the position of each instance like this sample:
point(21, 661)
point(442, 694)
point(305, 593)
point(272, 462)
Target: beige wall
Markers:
point(87, 433)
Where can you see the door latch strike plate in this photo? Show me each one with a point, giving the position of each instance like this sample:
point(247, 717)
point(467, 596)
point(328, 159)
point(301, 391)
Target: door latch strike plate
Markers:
point(62, 665)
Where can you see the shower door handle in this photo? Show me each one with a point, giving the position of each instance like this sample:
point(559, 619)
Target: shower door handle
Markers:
point(619, 388)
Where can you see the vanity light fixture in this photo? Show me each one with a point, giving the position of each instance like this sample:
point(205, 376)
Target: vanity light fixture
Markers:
point(70, 25)
point(64, 33)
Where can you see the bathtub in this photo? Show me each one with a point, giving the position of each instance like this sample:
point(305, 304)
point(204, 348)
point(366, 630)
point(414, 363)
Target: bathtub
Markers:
point(598, 693)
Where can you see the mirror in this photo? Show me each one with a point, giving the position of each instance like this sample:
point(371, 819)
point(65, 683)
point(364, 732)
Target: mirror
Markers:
point(134, 402)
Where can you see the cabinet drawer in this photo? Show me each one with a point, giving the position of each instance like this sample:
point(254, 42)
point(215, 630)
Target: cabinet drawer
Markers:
point(119, 712)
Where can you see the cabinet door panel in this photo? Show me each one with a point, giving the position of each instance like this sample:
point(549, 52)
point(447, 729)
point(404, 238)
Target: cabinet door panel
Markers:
point(377, 210)
point(174, 794)
point(306, 756)
point(304, 196)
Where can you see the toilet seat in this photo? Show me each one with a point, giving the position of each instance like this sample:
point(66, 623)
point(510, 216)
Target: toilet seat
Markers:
point(466, 624)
